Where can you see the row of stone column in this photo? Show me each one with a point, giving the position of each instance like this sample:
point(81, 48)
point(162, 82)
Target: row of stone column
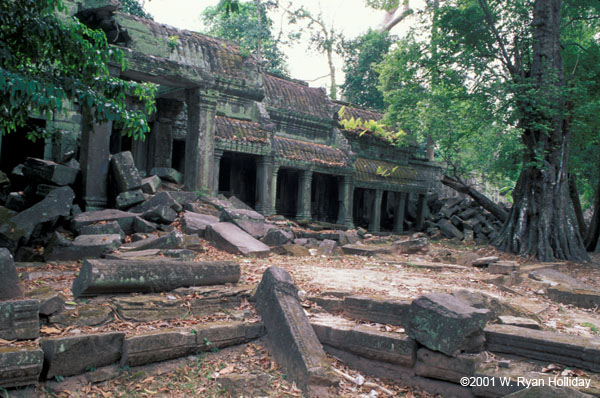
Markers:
point(399, 209)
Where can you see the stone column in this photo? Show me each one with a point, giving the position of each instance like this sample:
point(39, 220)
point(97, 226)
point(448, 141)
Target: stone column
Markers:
point(263, 176)
point(345, 201)
point(94, 160)
point(304, 194)
point(139, 150)
point(399, 212)
point(218, 154)
point(421, 204)
point(273, 189)
point(375, 218)
point(200, 140)
point(161, 137)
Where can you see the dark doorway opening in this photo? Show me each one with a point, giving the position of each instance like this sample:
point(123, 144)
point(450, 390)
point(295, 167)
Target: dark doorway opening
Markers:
point(286, 199)
point(237, 177)
point(119, 142)
point(178, 156)
point(324, 197)
point(16, 147)
point(361, 206)
point(388, 202)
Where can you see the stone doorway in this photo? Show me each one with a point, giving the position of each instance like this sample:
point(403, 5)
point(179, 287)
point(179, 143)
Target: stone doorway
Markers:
point(16, 147)
point(325, 197)
point(178, 157)
point(361, 206)
point(119, 142)
point(286, 199)
point(237, 177)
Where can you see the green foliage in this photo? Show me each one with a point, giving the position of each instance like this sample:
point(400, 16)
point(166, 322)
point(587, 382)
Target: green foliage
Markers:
point(378, 129)
point(173, 42)
point(135, 7)
point(240, 24)
point(46, 61)
point(361, 55)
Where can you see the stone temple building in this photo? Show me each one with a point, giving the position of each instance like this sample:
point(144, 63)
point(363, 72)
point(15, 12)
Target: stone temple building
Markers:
point(275, 143)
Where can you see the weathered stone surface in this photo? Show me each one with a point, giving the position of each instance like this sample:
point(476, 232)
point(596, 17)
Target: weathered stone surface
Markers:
point(503, 267)
point(128, 199)
point(584, 298)
point(19, 319)
point(248, 385)
point(291, 250)
point(229, 237)
point(172, 240)
point(442, 367)
point(195, 224)
point(377, 309)
point(158, 346)
point(442, 322)
point(151, 184)
point(347, 237)
point(496, 305)
point(124, 219)
point(209, 300)
point(103, 374)
point(542, 345)
point(161, 215)
point(239, 204)
point(67, 356)
point(50, 300)
point(327, 247)
point(147, 308)
point(143, 226)
point(48, 171)
point(20, 366)
point(277, 237)
point(15, 201)
point(248, 220)
point(518, 321)
point(548, 392)
point(10, 284)
point(168, 174)
point(223, 334)
point(125, 174)
point(484, 261)
point(362, 340)
point(410, 246)
point(104, 228)
point(449, 230)
point(84, 246)
point(84, 315)
point(219, 202)
point(145, 276)
point(291, 337)
point(179, 254)
point(161, 199)
point(365, 250)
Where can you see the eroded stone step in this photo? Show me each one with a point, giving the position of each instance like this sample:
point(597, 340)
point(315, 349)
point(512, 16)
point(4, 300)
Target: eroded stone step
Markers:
point(20, 366)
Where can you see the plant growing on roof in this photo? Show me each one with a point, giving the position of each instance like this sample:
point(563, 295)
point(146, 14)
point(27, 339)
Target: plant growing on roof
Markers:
point(379, 129)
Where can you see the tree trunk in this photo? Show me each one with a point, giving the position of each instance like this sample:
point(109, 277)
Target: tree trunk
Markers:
point(333, 86)
point(477, 196)
point(576, 204)
point(593, 232)
point(541, 222)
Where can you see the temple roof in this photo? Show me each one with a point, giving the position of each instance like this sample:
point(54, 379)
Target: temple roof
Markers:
point(235, 130)
point(296, 97)
point(302, 151)
point(353, 112)
point(379, 171)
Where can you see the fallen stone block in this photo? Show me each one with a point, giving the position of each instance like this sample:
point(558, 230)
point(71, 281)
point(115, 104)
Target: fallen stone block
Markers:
point(364, 250)
point(327, 247)
point(159, 200)
point(584, 298)
point(366, 341)
point(168, 174)
point(142, 226)
point(252, 384)
point(179, 254)
point(208, 300)
point(48, 171)
point(449, 230)
point(496, 305)
point(72, 355)
point(83, 315)
point(442, 367)
point(503, 267)
point(248, 220)
point(443, 323)
point(147, 276)
point(410, 246)
point(50, 300)
point(125, 174)
point(104, 228)
point(277, 237)
point(147, 308)
point(151, 184)
point(20, 366)
point(15, 201)
point(232, 239)
point(292, 339)
point(219, 202)
point(128, 199)
point(224, 334)
point(172, 240)
point(518, 321)
point(84, 246)
point(158, 346)
point(581, 352)
point(124, 219)
point(19, 319)
point(195, 224)
point(160, 215)
point(291, 250)
point(377, 309)
point(10, 284)
point(484, 261)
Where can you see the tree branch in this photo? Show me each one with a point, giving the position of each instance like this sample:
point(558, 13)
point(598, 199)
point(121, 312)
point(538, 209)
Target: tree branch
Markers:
point(490, 21)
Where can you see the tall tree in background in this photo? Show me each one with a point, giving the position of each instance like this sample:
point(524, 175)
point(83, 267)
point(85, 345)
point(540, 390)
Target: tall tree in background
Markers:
point(248, 24)
point(361, 56)
point(135, 7)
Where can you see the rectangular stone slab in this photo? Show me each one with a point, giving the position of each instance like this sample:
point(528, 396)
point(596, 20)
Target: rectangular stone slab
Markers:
point(158, 346)
point(366, 341)
point(124, 219)
point(442, 367)
point(145, 276)
point(376, 309)
point(292, 339)
point(223, 334)
point(20, 366)
point(72, 355)
point(19, 319)
point(570, 350)
point(232, 239)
